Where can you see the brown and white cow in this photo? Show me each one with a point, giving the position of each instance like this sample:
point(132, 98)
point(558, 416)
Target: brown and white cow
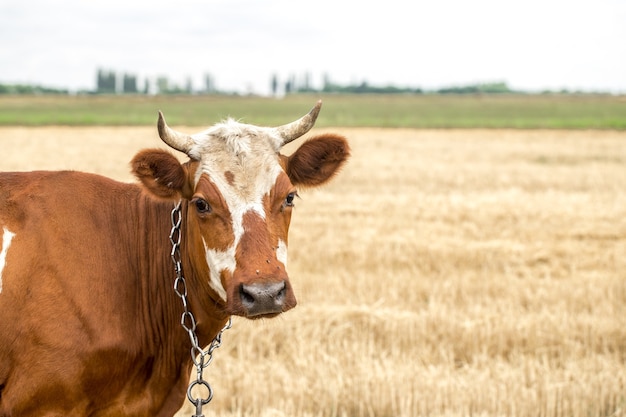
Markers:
point(89, 321)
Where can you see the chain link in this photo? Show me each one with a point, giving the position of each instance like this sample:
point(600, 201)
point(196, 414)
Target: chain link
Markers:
point(201, 358)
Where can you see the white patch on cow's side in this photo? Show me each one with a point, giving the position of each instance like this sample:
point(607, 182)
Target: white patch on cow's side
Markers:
point(7, 237)
point(281, 252)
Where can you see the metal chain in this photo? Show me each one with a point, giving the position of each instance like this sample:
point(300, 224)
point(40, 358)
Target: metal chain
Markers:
point(201, 358)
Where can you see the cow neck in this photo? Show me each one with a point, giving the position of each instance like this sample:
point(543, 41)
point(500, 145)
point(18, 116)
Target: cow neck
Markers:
point(158, 305)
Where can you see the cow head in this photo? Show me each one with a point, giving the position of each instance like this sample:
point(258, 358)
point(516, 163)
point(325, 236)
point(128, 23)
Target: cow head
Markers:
point(239, 193)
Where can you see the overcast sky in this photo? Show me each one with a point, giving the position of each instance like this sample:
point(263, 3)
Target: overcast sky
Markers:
point(530, 44)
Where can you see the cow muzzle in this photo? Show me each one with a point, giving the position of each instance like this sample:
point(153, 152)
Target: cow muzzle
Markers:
point(265, 299)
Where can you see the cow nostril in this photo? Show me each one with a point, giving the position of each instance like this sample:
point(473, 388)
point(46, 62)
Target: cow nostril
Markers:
point(246, 297)
point(280, 296)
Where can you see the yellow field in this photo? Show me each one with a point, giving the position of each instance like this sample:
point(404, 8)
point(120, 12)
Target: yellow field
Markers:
point(444, 273)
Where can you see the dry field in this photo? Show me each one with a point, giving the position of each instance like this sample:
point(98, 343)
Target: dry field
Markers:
point(444, 273)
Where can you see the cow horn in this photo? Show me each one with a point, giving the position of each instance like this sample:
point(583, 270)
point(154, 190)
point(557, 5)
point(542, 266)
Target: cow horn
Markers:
point(294, 130)
point(179, 141)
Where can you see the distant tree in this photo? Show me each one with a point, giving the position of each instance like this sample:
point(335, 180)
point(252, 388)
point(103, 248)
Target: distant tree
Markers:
point(209, 84)
point(327, 84)
point(129, 85)
point(162, 84)
point(106, 82)
point(294, 83)
point(274, 85)
point(306, 83)
point(290, 85)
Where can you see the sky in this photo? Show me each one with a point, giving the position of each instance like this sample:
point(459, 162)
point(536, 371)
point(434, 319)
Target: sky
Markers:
point(531, 45)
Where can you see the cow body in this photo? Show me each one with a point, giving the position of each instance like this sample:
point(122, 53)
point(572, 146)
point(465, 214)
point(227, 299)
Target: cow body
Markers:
point(89, 321)
point(98, 337)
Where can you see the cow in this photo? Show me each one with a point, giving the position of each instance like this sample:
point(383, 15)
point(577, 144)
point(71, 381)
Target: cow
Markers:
point(90, 324)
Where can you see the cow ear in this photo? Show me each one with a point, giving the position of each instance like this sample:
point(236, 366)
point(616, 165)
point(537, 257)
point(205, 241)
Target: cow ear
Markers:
point(160, 173)
point(317, 160)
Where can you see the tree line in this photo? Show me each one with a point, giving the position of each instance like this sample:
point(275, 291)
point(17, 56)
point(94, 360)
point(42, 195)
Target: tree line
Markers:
point(112, 82)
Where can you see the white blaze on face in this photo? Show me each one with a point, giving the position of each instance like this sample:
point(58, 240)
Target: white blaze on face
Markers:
point(249, 153)
point(7, 237)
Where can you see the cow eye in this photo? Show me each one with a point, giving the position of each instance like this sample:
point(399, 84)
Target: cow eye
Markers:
point(202, 206)
point(289, 199)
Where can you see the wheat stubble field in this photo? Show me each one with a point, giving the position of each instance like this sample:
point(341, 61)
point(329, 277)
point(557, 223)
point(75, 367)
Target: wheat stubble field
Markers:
point(444, 273)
